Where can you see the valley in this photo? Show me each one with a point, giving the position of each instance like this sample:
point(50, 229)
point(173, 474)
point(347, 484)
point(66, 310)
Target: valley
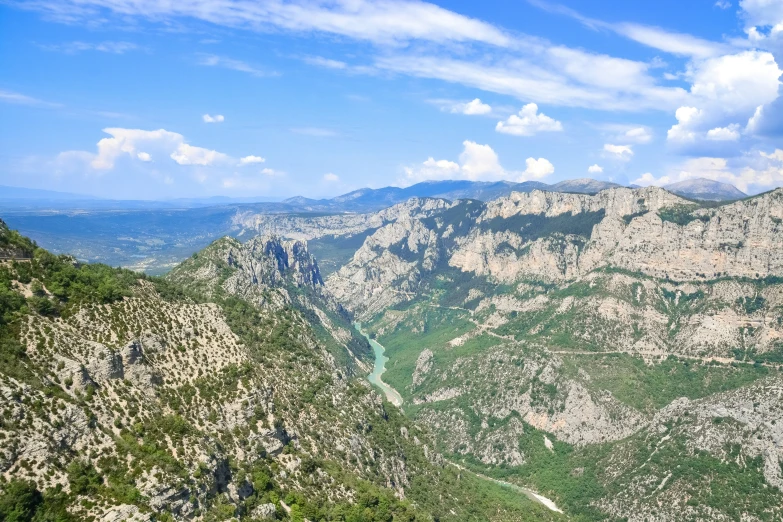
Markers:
point(537, 333)
point(535, 354)
point(391, 261)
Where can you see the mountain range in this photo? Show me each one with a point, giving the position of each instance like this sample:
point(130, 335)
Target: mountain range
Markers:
point(362, 200)
point(542, 355)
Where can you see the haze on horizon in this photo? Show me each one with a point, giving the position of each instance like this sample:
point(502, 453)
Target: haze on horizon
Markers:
point(151, 100)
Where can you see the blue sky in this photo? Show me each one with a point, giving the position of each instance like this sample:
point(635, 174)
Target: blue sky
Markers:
point(152, 100)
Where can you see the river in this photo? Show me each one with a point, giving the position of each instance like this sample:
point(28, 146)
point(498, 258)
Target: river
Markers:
point(395, 398)
point(392, 395)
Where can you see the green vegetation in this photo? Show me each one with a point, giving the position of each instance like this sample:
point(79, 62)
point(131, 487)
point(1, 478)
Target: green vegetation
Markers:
point(13, 244)
point(431, 327)
point(535, 226)
point(332, 252)
point(682, 214)
point(651, 387)
point(630, 217)
point(568, 475)
point(751, 305)
point(20, 501)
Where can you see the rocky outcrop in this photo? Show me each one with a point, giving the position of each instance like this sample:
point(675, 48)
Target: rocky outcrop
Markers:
point(264, 512)
point(272, 272)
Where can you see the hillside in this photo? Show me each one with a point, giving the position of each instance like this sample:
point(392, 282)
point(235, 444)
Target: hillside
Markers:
point(619, 353)
point(609, 350)
point(226, 390)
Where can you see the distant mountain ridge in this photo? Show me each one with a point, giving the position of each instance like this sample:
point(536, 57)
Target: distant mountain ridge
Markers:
point(361, 200)
point(367, 199)
point(706, 190)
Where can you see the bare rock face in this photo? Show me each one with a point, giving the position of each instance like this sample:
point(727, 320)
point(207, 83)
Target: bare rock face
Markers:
point(615, 202)
point(738, 240)
point(387, 268)
point(107, 365)
point(268, 260)
point(264, 512)
point(423, 367)
point(562, 237)
point(247, 269)
point(125, 513)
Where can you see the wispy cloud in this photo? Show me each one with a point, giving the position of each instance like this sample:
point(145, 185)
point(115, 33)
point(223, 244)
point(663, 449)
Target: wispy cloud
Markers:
point(327, 63)
point(655, 37)
point(212, 60)
point(23, 99)
point(104, 47)
point(393, 22)
point(424, 40)
point(557, 76)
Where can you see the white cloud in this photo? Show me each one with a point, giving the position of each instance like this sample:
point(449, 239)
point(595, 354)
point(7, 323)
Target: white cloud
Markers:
point(477, 162)
point(730, 133)
point(764, 24)
point(272, 172)
point(217, 118)
point(595, 169)
point(470, 108)
point(480, 162)
point(633, 133)
point(250, 160)
point(727, 89)
point(619, 152)
point(759, 171)
point(683, 131)
point(723, 4)
point(331, 177)
point(190, 155)
point(777, 155)
point(432, 169)
point(528, 122)
point(138, 144)
point(537, 168)
point(638, 135)
point(127, 141)
point(737, 82)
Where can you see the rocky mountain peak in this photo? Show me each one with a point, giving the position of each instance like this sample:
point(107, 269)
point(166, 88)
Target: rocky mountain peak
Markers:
point(286, 257)
point(706, 189)
point(264, 262)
